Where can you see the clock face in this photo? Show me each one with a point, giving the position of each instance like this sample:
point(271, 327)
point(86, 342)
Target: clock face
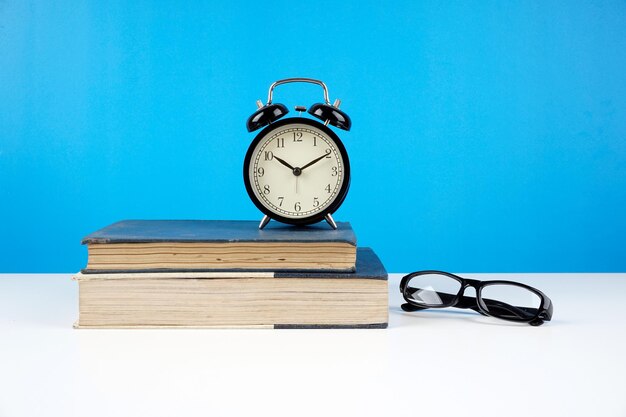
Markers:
point(297, 170)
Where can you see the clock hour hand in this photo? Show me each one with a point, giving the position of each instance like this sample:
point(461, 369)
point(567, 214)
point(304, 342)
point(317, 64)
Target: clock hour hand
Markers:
point(314, 161)
point(285, 163)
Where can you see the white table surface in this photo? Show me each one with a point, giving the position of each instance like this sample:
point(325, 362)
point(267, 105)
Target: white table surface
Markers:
point(443, 363)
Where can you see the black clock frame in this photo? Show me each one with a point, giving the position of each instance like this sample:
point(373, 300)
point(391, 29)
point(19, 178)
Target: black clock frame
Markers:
point(332, 207)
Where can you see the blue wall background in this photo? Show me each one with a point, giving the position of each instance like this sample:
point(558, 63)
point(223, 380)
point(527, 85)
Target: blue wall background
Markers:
point(487, 136)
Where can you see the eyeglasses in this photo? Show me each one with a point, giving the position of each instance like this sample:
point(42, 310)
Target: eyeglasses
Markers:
point(505, 300)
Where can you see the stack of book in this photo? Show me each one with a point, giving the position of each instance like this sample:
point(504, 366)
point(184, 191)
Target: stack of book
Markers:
point(203, 273)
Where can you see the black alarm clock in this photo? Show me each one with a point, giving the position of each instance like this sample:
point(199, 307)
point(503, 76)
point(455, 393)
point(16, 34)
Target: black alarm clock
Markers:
point(296, 170)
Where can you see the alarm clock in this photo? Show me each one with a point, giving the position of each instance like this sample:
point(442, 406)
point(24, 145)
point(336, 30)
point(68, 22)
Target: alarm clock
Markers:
point(296, 170)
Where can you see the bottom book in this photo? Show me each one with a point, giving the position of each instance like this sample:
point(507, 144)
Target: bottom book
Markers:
point(237, 299)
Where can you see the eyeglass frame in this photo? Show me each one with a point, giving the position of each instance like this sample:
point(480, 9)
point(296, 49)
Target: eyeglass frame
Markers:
point(460, 300)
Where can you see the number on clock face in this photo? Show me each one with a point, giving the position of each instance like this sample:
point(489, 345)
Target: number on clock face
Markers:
point(296, 171)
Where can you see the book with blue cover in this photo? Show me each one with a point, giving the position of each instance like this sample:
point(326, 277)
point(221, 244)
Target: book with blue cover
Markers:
point(218, 245)
point(261, 299)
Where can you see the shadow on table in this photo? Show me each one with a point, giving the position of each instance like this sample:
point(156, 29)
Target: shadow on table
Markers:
point(401, 318)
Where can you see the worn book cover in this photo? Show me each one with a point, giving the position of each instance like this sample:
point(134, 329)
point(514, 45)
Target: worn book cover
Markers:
point(204, 245)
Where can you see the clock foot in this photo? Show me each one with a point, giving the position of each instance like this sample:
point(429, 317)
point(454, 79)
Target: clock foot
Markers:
point(329, 219)
point(264, 221)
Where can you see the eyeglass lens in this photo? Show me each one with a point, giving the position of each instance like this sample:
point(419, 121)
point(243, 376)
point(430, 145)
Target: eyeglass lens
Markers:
point(435, 290)
point(510, 301)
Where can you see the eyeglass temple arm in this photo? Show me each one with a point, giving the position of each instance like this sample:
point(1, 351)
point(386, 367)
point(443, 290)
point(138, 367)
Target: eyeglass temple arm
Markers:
point(411, 307)
point(497, 307)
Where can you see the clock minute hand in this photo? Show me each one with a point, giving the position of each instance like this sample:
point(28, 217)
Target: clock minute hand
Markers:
point(285, 163)
point(313, 162)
